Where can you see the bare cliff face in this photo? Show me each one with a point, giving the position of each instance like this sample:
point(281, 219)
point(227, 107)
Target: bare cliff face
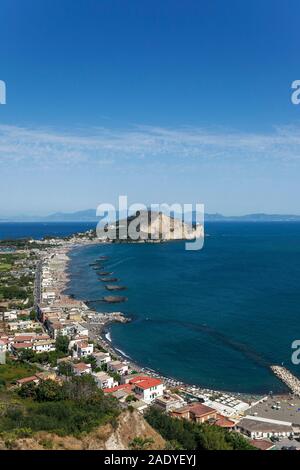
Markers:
point(155, 226)
point(130, 425)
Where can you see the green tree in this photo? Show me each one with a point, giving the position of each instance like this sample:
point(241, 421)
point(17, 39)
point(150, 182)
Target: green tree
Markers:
point(27, 355)
point(62, 344)
point(48, 390)
point(32, 315)
point(65, 368)
point(28, 390)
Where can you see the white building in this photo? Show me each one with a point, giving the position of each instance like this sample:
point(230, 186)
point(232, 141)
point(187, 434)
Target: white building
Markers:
point(148, 388)
point(118, 366)
point(82, 368)
point(3, 345)
point(102, 358)
point(83, 349)
point(44, 346)
point(104, 380)
point(259, 428)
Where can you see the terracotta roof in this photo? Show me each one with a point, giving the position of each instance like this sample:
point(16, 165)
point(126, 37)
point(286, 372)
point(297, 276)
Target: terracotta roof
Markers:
point(224, 422)
point(81, 366)
point(22, 345)
point(22, 338)
point(200, 410)
point(146, 382)
point(27, 380)
point(261, 444)
point(125, 387)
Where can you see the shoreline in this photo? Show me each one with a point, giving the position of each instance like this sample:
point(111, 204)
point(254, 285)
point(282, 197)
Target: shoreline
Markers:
point(100, 329)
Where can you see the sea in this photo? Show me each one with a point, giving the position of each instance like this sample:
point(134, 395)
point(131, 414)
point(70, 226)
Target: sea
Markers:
point(215, 318)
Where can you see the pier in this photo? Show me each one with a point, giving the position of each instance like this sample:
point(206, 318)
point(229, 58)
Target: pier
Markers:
point(287, 378)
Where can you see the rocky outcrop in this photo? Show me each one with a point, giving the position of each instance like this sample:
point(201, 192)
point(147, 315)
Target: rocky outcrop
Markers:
point(129, 426)
point(147, 225)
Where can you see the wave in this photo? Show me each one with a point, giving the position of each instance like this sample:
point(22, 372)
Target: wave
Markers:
point(108, 336)
point(123, 353)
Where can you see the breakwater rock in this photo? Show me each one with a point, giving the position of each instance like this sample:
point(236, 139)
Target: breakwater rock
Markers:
point(114, 299)
point(114, 287)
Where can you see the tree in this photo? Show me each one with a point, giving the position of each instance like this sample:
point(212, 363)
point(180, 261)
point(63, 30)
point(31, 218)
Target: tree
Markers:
point(48, 390)
point(26, 355)
point(28, 390)
point(82, 388)
point(62, 344)
point(130, 398)
point(32, 315)
point(65, 368)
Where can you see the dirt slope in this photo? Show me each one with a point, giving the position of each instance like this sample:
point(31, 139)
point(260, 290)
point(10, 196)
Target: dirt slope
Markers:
point(130, 425)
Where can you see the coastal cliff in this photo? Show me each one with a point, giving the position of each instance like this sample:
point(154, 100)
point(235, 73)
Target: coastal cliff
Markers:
point(154, 226)
point(129, 426)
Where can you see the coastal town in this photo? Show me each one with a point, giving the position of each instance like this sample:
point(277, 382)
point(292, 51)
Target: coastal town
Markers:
point(40, 324)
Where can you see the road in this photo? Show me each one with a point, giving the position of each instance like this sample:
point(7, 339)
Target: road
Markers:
point(37, 285)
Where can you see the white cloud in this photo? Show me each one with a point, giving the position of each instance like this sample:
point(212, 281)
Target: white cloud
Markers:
point(42, 146)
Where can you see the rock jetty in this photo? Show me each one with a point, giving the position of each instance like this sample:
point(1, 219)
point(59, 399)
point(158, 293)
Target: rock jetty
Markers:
point(114, 299)
point(288, 378)
point(114, 287)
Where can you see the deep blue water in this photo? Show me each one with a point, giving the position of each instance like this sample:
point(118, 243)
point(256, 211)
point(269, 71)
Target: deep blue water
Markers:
point(38, 230)
point(216, 317)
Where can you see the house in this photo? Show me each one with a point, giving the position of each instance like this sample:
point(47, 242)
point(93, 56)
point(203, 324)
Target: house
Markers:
point(83, 349)
point(261, 444)
point(224, 422)
point(147, 388)
point(9, 316)
point(104, 380)
point(196, 412)
point(102, 358)
point(139, 405)
point(182, 412)
point(123, 387)
point(26, 380)
point(56, 328)
point(82, 368)
point(22, 325)
point(125, 379)
point(118, 366)
point(24, 338)
point(3, 345)
point(169, 401)
point(81, 329)
point(43, 346)
point(201, 413)
point(17, 347)
point(256, 427)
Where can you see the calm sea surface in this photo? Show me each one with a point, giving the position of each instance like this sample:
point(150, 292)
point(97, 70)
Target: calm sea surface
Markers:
point(38, 230)
point(216, 317)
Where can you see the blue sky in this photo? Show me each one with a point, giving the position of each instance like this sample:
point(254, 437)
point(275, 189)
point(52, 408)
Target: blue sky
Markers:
point(165, 101)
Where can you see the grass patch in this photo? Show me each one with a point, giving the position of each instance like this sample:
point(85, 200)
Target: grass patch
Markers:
point(4, 267)
point(14, 370)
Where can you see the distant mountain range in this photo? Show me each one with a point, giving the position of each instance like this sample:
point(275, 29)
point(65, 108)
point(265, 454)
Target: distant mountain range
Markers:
point(89, 215)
